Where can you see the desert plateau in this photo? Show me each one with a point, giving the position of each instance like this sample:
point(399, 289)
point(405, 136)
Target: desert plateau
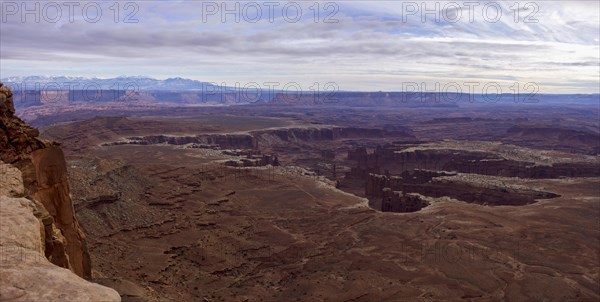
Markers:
point(309, 151)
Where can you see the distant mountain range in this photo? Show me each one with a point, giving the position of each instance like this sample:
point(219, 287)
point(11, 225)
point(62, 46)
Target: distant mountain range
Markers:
point(30, 91)
point(119, 83)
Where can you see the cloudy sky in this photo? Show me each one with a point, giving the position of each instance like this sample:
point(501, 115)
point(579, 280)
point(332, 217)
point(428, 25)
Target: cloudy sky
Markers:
point(358, 45)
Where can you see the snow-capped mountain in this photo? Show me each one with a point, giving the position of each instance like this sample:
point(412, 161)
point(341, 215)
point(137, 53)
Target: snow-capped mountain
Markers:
point(119, 83)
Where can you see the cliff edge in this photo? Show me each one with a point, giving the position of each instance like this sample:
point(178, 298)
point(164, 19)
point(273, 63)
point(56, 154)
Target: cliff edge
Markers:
point(38, 229)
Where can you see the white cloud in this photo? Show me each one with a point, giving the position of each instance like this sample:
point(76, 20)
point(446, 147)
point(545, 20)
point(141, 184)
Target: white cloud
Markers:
point(370, 48)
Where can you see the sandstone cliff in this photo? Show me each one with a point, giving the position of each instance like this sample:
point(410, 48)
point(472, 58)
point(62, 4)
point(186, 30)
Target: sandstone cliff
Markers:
point(44, 181)
point(25, 272)
point(398, 159)
point(398, 201)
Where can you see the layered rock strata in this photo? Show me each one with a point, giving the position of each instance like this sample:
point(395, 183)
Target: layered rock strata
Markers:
point(44, 181)
point(26, 274)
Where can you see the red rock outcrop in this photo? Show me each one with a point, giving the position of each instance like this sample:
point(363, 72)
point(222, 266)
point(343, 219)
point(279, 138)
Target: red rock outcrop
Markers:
point(45, 181)
point(25, 272)
point(569, 140)
point(328, 133)
point(257, 139)
point(398, 201)
point(428, 184)
point(17, 139)
point(375, 183)
point(357, 154)
point(226, 141)
point(396, 160)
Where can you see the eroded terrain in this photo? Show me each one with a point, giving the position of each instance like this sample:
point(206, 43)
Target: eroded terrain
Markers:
point(316, 204)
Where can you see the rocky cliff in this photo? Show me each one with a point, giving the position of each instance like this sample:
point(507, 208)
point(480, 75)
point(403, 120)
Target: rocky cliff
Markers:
point(375, 183)
point(44, 180)
point(26, 273)
point(398, 201)
point(399, 159)
point(265, 138)
point(235, 141)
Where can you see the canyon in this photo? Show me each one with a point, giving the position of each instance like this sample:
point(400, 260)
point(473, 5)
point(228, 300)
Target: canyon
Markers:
point(317, 202)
